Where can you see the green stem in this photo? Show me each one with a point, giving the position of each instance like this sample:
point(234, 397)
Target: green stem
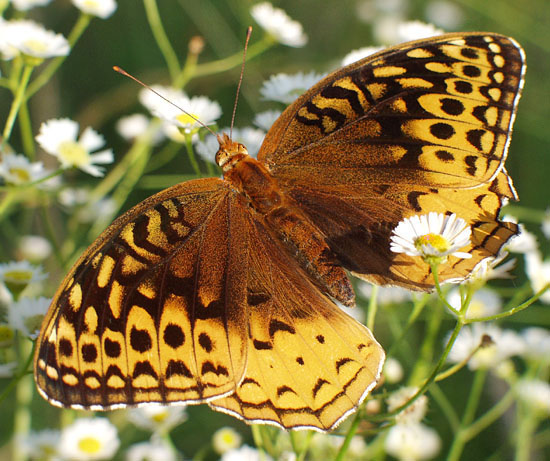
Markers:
point(440, 292)
point(516, 309)
point(446, 407)
point(191, 155)
point(16, 104)
point(418, 307)
point(23, 397)
point(235, 60)
point(153, 16)
point(372, 308)
point(26, 131)
point(51, 68)
point(349, 436)
point(459, 441)
point(527, 424)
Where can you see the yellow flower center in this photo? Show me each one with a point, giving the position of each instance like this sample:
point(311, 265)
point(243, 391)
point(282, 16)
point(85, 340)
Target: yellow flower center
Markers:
point(160, 417)
point(91, 3)
point(72, 153)
point(36, 46)
point(20, 174)
point(89, 445)
point(438, 242)
point(187, 119)
point(18, 277)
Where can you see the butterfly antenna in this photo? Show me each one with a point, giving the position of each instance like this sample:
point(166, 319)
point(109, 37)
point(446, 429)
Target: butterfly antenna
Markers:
point(248, 33)
point(144, 85)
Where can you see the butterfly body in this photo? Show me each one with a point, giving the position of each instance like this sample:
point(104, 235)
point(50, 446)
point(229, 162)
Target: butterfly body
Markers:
point(219, 290)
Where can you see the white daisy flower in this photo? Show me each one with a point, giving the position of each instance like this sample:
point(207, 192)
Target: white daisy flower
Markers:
point(200, 107)
point(89, 439)
point(151, 451)
point(538, 272)
point(42, 445)
point(491, 268)
point(7, 369)
point(71, 197)
point(34, 248)
point(17, 169)
point(133, 126)
point(58, 137)
point(393, 370)
point(415, 412)
point(100, 8)
point(536, 394)
point(26, 315)
point(415, 30)
point(286, 88)
point(31, 39)
point(484, 303)
point(411, 442)
point(226, 439)
point(498, 345)
point(537, 343)
point(251, 138)
point(432, 236)
point(245, 453)
point(266, 119)
point(524, 243)
point(16, 275)
point(279, 25)
point(157, 418)
point(356, 55)
point(25, 5)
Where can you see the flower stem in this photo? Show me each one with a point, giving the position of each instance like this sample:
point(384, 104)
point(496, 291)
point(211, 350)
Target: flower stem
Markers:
point(191, 155)
point(372, 308)
point(350, 434)
point(153, 16)
point(16, 104)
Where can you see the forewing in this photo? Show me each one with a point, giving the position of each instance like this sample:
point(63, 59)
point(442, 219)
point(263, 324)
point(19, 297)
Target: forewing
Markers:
point(308, 364)
point(155, 309)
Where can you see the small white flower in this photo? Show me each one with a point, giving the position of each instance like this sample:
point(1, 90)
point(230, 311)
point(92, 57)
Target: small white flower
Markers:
point(226, 439)
point(133, 126)
point(286, 88)
point(393, 370)
point(536, 394)
point(71, 197)
point(89, 439)
point(25, 5)
point(445, 14)
point(34, 248)
point(26, 315)
point(151, 451)
point(431, 236)
point(157, 418)
point(207, 148)
point(31, 39)
point(415, 412)
point(279, 25)
point(266, 119)
point(58, 137)
point(415, 30)
point(491, 268)
point(538, 272)
point(100, 8)
point(525, 242)
point(7, 369)
point(20, 273)
point(361, 53)
point(98, 210)
point(484, 303)
point(537, 343)
point(199, 107)
point(42, 445)
point(16, 169)
point(412, 442)
point(245, 453)
point(498, 345)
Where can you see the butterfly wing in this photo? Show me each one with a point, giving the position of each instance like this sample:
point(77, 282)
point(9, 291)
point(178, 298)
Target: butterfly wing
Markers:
point(154, 310)
point(308, 363)
point(421, 127)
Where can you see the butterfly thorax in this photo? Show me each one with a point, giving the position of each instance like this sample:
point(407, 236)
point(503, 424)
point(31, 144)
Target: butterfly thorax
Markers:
point(300, 236)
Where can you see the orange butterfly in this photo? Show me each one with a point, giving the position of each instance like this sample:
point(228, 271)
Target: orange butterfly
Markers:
point(221, 290)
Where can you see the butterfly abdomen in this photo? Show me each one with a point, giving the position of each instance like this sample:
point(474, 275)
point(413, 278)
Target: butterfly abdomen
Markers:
point(300, 236)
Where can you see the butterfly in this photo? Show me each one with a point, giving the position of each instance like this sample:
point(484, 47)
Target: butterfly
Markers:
point(222, 291)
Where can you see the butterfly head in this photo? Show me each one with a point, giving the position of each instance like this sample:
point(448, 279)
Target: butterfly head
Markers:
point(229, 152)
